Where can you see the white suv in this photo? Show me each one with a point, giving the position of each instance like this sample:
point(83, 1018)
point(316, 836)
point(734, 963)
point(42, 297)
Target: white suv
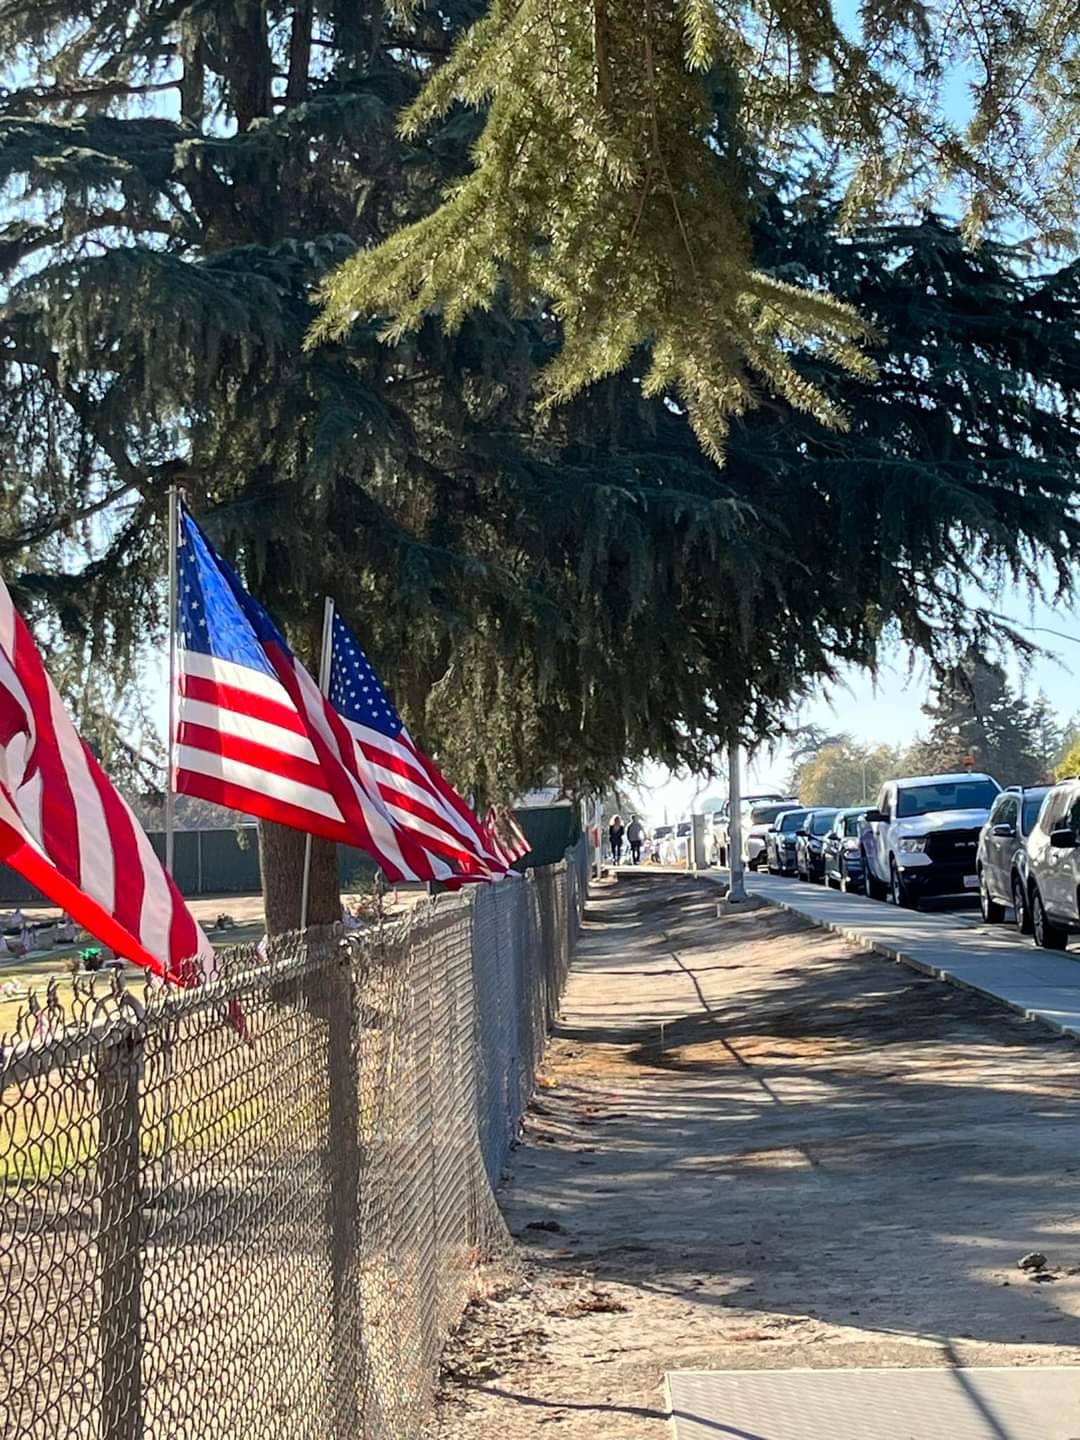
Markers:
point(923, 837)
point(1053, 851)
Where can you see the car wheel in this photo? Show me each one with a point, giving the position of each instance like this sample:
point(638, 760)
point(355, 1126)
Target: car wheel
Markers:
point(874, 887)
point(992, 912)
point(1047, 934)
point(1021, 909)
point(898, 891)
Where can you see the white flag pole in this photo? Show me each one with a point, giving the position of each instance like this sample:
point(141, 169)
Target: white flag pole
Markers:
point(324, 686)
point(170, 798)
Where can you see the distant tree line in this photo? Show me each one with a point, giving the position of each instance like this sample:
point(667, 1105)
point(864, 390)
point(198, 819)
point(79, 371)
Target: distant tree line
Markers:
point(974, 716)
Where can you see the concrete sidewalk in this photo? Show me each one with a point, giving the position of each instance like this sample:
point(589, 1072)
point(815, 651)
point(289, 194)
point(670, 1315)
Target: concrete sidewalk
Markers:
point(755, 1146)
point(989, 959)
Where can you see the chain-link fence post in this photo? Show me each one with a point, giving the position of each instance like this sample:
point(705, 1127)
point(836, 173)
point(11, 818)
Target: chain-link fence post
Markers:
point(342, 1161)
point(119, 1238)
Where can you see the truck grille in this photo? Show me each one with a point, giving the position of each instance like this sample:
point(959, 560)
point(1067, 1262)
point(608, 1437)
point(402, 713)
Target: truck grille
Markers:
point(954, 845)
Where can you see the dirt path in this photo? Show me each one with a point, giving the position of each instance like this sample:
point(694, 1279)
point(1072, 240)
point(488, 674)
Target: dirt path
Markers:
point(763, 1149)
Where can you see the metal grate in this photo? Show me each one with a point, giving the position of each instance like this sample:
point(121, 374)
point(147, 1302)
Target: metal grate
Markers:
point(210, 1236)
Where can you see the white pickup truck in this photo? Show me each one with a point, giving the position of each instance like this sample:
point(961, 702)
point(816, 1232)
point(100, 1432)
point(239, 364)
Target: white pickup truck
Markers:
point(923, 836)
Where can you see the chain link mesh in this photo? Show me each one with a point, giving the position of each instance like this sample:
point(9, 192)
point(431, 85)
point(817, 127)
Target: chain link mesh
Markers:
point(259, 1209)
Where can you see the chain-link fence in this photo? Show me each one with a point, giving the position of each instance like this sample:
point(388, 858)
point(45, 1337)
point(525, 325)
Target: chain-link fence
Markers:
point(258, 1209)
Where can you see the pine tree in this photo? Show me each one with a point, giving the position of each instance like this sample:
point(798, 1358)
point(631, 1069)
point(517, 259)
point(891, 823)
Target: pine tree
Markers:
point(564, 593)
point(609, 183)
point(975, 714)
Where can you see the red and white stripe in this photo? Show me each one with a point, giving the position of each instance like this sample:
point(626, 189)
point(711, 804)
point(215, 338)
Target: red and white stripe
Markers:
point(506, 835)
point(67, 831)
point(423, 800)
point(272, 746)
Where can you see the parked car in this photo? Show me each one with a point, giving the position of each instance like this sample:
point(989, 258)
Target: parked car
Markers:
point(809, 843)
point(923, 835)
point(780, 842)
point(841, 853)
point(722, 820)
point(1002, 859)
point(758, 823)
point(1053, 852)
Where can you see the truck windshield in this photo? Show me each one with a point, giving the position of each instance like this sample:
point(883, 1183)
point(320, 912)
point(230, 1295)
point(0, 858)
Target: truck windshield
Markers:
point(946, 795)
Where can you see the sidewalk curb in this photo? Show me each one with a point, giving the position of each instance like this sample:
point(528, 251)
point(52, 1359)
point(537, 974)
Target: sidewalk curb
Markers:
point(934, 972)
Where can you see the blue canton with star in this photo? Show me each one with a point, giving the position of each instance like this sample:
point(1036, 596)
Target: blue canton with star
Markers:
point(215, 614)
point(355, 691)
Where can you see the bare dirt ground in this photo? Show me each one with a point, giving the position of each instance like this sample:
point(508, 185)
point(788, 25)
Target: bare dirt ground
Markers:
point(763, 1149)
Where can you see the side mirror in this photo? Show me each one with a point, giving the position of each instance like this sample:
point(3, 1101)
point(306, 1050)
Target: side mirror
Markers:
point(1004, 832)
point(1063, 839)
point(803, 833)
point(876, 817)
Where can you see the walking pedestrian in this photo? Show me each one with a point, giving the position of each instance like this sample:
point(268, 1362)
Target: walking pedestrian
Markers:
point(635, 833)
point(616, 831)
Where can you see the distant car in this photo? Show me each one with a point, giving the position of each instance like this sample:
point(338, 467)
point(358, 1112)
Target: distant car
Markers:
point(758, 823)
point(809, 842)
point(841, 853)
point(780, 842)
point(722, 820)
point(1002, 859)
point(1053, 851)
point(922, 837)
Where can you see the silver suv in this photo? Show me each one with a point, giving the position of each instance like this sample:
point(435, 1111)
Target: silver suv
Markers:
point(1053, 850)
point(1002, 859)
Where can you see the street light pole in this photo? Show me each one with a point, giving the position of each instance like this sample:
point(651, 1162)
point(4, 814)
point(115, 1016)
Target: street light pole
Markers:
point(737, 888)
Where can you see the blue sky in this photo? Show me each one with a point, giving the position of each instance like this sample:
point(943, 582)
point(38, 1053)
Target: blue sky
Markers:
point(886, 709)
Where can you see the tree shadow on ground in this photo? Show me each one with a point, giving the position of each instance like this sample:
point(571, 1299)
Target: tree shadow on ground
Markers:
point(838, 1139)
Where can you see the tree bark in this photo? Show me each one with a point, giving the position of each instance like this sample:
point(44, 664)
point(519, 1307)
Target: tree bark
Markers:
point(193, 80)
point(300, 52)
point(250, 65)
point(281, 858)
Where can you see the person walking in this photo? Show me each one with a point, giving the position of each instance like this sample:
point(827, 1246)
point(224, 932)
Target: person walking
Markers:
point(616, 831)
point(635, 834)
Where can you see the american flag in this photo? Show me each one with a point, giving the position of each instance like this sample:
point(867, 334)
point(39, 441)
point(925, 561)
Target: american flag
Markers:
point(256, 734)
point(507, 836)
point(64, 827)
point(415, 791)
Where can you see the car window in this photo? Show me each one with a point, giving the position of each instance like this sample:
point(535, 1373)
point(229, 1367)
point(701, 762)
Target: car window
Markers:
point(792, 820)
point(1074, 815)
point(946, 795)
point(1033, 802)
point(1008, 813)
point(821, 822)
point(1057, 807)
point(852, 825)
point(765, 814)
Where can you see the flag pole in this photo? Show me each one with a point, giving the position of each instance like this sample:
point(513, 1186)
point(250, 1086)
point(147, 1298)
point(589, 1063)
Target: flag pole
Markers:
point(324, 686)
point(170, 799)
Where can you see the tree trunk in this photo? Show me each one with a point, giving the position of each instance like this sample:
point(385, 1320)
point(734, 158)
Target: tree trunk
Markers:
point(300, 52)
point(281, 857)
point(249, 74)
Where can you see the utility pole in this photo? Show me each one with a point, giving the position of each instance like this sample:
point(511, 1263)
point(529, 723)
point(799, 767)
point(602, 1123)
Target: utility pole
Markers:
point(737, 889)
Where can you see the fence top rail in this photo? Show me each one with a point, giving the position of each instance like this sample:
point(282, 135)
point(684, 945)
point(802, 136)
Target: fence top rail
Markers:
point(112, 1011)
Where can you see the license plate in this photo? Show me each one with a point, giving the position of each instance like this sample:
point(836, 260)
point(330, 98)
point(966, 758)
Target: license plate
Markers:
point(971, 882)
